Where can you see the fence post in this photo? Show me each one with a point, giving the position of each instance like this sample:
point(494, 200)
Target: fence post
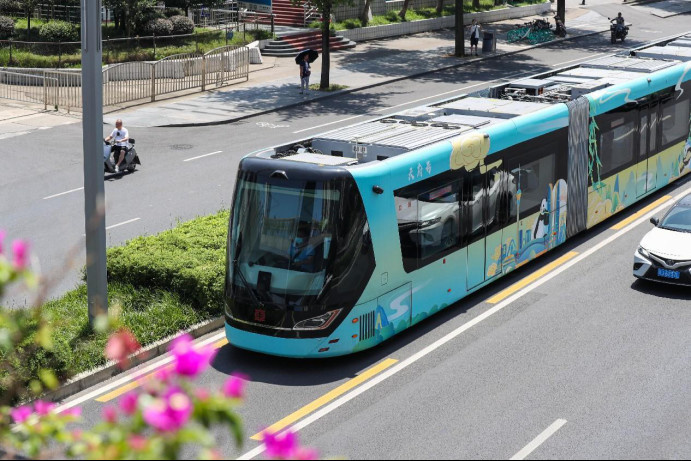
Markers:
point(10, 63)
point(45, 92)
point(272, 23)
point(154, 57)
point(203, 73)
point(153, 82)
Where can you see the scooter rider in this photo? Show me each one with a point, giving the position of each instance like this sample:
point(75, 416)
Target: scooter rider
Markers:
point(620, 23)
point(121, 136)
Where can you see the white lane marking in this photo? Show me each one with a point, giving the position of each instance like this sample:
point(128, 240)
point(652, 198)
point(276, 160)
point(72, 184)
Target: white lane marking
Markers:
point(539, 440)
point(202, 156)
point(119, 224)
point(130, 377)
point(122, 223)
point(450, 336)
point(63, 193)
point(330, 123)
point(580, 59)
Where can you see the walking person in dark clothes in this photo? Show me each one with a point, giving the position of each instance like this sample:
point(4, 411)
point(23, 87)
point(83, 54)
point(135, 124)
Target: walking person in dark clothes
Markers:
point(305, 73)
point(475, 29)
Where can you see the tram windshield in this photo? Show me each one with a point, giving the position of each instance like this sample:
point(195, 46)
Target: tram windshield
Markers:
point(282, 236)
point(298, 248)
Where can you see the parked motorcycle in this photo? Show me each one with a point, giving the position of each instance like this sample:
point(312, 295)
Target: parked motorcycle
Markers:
point(110, 158)
point(618, 32)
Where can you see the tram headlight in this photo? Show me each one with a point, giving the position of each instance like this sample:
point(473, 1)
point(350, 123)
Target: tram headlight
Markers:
point(317, 323)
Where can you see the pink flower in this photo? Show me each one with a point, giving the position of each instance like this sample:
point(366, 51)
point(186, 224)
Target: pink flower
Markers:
point(21, 414)
point(128, 403)
point(120, 345)
point(20, 248)
point(43, 408)
point(286, 446)
point(164, 374)
point(202, 394)
point(2, 239)
point(110, 415)
point(74, 412)
point(189, 361)
point(281, 446)
point(137, 442)
point(234, 387)
point(169, 413)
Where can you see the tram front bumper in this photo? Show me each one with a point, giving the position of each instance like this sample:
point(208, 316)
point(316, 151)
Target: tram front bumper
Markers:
point(286, 347)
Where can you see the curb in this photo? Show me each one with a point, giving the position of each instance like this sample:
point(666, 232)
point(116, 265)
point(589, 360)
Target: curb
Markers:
point(374, 85)
point(91, 378)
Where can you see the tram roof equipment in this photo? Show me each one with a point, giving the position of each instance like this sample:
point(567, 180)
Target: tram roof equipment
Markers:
point(414, 128)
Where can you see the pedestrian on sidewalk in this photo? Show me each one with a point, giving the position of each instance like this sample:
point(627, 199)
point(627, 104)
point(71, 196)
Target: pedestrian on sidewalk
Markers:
point(475, 29)
point(305, 73)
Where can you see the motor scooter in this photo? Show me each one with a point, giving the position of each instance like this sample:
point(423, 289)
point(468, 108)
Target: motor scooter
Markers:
point(111, 155)
point(618, 32)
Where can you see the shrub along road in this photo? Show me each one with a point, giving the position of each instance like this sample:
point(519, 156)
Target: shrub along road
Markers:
point(189, 172)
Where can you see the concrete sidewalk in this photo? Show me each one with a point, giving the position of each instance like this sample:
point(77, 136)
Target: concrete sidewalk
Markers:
point(275, 84)
point(370, 64)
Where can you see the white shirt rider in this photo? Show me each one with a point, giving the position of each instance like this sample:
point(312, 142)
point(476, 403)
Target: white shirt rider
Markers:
point(121, 137)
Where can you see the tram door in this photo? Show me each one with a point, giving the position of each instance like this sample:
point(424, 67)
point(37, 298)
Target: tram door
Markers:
point(646, 174)
point(484, 196)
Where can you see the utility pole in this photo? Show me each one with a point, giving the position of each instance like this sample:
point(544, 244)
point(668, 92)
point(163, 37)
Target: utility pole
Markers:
point(460, 29)
point(561, 10)
point(94, 191)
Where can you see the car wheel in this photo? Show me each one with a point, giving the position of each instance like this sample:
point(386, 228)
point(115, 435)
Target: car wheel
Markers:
point(447, 235)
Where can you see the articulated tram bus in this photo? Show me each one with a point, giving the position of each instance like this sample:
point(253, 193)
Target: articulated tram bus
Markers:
point(338, 242)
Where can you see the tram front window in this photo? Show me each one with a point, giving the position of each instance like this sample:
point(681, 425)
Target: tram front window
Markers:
point(282, 239)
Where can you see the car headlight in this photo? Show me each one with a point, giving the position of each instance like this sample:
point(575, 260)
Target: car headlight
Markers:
point(430, 222)
point(643, 252)
point(317, 323)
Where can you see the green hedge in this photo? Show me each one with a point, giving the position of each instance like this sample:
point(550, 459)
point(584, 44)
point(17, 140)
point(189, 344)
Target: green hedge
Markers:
point(59, 31)
point(158, 286)
point(6, 27)
point(188, 260)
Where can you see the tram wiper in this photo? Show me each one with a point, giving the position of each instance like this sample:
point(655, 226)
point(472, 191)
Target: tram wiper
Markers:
point(326, 284)
point(245, 283)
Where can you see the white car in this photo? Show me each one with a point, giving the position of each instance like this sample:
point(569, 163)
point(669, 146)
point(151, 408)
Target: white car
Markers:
point(664, 254)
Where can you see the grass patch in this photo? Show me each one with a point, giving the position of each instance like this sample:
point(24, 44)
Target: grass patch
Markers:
point(158, 286)
point(333, 87)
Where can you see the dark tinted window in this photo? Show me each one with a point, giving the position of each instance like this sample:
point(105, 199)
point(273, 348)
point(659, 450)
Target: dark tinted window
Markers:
point(675, 121)
point(617, 144)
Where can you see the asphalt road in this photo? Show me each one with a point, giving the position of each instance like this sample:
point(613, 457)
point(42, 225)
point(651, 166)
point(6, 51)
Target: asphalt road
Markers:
point(610, 356)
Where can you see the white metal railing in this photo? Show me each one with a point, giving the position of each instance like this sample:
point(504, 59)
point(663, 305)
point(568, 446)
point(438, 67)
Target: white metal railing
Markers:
point(25, 87)
point(132, 81)
point(310, 12)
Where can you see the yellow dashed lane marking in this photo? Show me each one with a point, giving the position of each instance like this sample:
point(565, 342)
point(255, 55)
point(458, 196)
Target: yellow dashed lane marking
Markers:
point(321, 401)
point(625, 222)
point(531, 278)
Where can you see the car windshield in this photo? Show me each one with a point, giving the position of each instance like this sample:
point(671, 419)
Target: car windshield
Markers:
point(283, 236)
point(678, 219)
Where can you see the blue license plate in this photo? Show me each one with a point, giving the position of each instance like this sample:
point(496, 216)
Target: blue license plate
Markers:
point(668, 274)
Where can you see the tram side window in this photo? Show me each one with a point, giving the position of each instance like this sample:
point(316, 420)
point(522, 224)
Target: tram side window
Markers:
point(675, 122)
point(533, 179)
point(617, 143)
point(428, 215)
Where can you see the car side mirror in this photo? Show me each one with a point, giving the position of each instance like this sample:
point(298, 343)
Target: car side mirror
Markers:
point(655, 221)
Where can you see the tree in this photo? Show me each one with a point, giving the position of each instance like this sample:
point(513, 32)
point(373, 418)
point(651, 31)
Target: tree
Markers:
point(460, 27)
point(561, 10)
point(29, 6)
point(366, 11)
point(440, 7)
point(325, 7)
point(187, 4)
point(476, 5)
point(404, 10)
